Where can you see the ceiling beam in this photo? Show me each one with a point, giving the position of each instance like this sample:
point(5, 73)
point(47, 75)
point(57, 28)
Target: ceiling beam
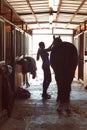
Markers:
point(58, 9)
point(53, 22)
point(47, 12)
point(83, 1)
point(32, 11)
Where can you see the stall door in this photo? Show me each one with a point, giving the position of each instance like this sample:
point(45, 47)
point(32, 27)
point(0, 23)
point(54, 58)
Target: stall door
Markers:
point(85, 58)
point(81, 57)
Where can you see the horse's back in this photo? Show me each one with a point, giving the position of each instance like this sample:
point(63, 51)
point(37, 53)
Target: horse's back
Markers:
point(64, 57)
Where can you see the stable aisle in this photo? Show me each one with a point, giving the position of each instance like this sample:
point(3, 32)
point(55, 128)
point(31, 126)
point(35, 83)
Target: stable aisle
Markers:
point(35, 114)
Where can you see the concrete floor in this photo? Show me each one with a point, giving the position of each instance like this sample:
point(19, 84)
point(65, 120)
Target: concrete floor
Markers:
point(35, 114)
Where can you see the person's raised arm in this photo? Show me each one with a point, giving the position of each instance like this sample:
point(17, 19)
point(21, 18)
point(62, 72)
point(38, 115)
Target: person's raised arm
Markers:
point(49, 48)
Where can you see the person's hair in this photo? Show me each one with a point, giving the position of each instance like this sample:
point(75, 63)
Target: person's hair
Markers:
point(41, 44)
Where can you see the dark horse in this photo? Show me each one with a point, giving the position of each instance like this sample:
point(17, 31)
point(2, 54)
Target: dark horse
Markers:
point(64, 59)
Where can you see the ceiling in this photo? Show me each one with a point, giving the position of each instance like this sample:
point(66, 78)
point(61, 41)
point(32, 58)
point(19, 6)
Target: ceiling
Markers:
point(62, 13)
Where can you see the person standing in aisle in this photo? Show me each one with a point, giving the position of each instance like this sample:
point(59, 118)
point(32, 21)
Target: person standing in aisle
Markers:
point(43, 53)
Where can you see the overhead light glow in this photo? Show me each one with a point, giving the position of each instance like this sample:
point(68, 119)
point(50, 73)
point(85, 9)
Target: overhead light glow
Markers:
point(54, 4)
point(50, 3)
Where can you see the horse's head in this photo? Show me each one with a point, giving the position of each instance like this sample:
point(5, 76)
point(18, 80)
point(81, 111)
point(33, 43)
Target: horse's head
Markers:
point(56, 40)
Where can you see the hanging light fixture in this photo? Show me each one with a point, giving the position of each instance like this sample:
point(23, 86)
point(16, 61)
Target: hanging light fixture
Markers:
point(50, 11)
point(50, 15)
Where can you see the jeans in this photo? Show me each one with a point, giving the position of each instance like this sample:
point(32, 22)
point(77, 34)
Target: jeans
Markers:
point(47, 78)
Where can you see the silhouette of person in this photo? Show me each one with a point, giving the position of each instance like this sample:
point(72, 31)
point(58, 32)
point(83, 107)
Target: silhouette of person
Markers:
point(43, 53)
